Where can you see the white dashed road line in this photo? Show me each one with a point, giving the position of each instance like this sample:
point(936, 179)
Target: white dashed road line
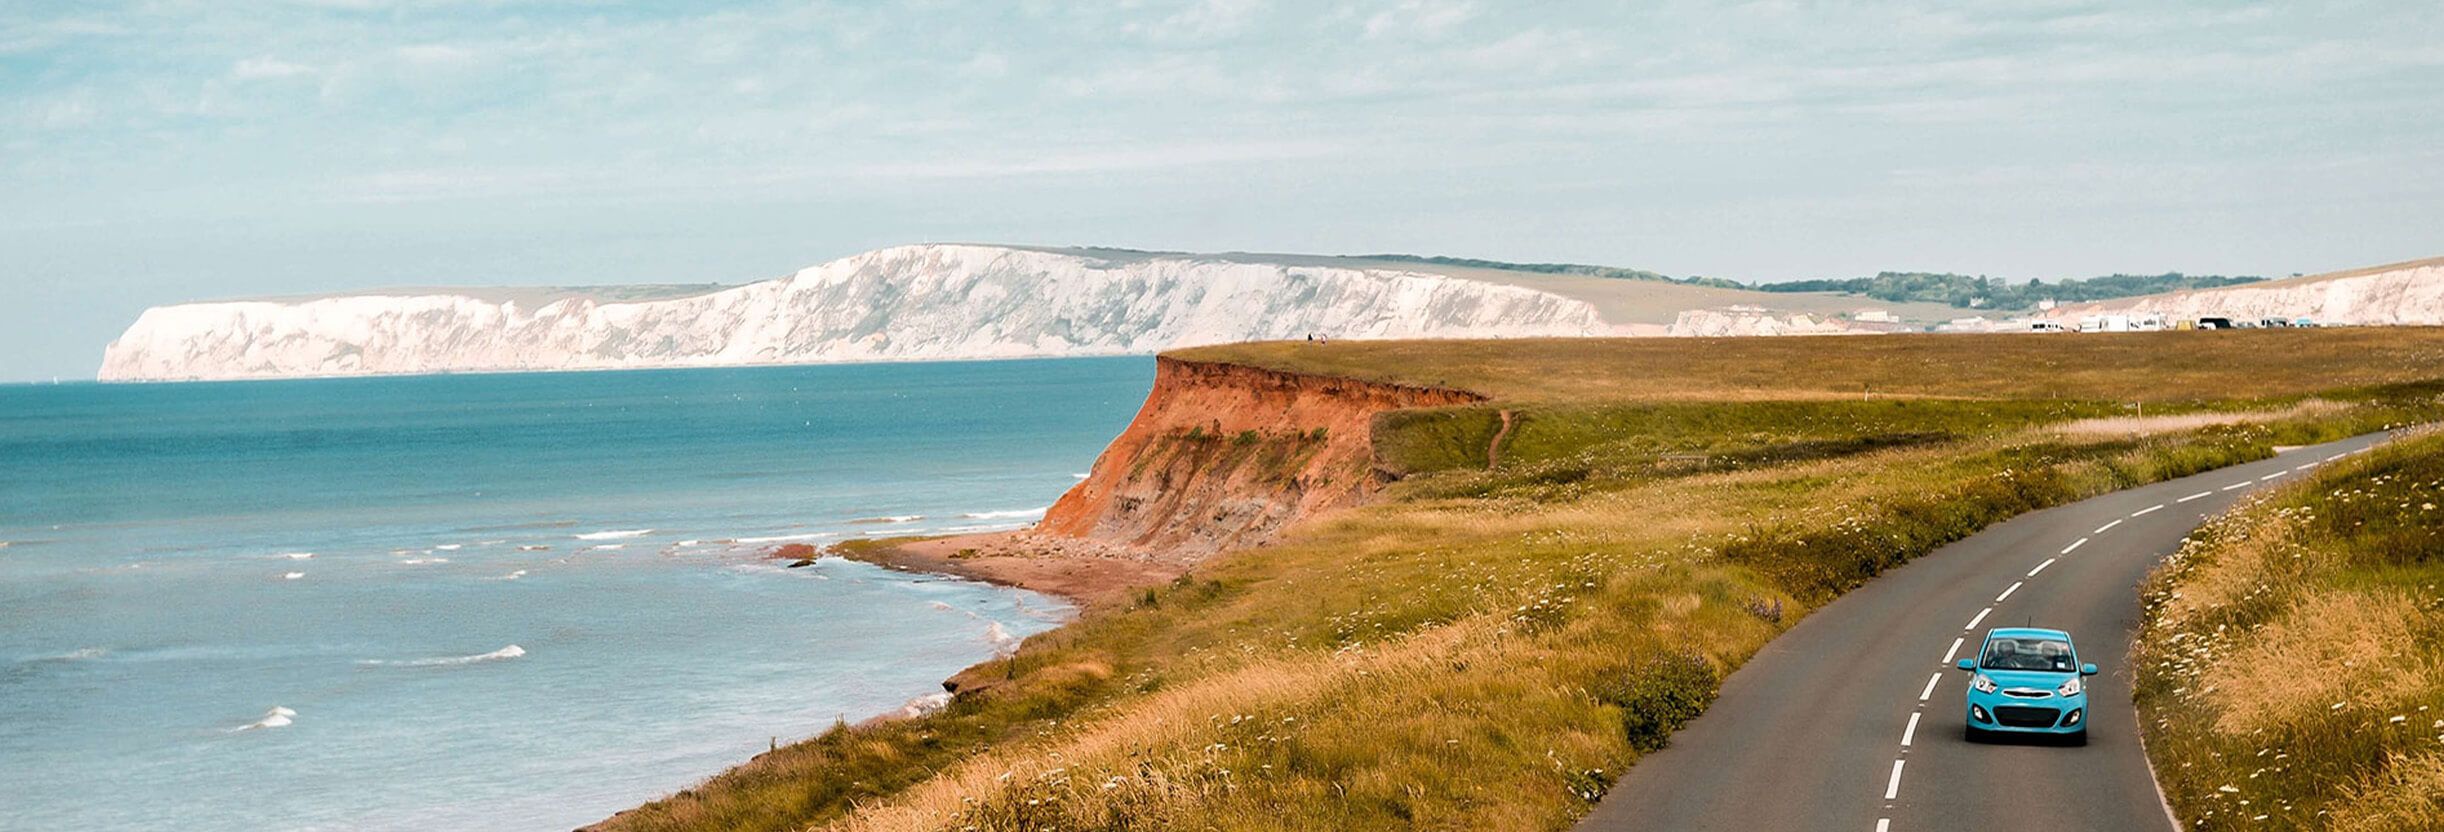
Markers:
point(2156, 507)
point(2303, 467)
point(1911, 732)
point(2075, 544)
point(2241, 484)
point(1948, 654)
point(1883, 825)
point(2015, 587)
point(2040, 567)
point(2335, 457)
point(2272, 476)
point(2107, 527)
point(1892, 787)
point(1930, 686)
point(2194, 496)
point(1981, 616)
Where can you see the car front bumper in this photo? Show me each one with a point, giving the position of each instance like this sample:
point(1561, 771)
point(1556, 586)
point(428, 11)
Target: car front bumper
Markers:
point(2005, 713)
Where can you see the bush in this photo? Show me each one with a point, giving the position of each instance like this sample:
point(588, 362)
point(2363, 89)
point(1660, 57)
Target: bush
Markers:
point(1660, 695)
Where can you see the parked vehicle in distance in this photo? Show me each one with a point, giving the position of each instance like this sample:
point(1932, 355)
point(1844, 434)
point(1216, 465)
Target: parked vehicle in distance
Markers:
point(2046, 326)
point(2214, 323)
point(2027, 680)
point(2307, 322)
point(2274, 323)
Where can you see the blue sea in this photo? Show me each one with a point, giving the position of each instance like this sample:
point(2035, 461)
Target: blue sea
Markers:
point(492, 601)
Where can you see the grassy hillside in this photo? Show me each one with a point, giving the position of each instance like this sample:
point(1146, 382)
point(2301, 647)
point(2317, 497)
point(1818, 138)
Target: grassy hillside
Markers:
point(2291, 673)
point(2120, 367)
point(1964, 291)
point(1488, 648)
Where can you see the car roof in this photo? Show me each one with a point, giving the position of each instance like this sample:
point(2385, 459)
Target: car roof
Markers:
point(2027, 632)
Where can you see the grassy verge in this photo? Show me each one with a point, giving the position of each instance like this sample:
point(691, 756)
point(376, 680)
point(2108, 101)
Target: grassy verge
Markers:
point(1488, 649)
point(2291, 671)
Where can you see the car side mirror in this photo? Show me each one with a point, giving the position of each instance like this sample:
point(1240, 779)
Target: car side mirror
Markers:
point(2087, 670)
point(1967, 664)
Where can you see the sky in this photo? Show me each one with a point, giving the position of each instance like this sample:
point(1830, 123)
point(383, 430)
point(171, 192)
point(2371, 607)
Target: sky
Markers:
point(156, 151)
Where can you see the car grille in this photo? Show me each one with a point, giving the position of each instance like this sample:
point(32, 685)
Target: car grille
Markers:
point(2027, 693)
point(2022, 716)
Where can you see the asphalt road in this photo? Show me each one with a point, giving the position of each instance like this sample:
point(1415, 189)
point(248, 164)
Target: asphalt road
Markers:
point(1852, 719)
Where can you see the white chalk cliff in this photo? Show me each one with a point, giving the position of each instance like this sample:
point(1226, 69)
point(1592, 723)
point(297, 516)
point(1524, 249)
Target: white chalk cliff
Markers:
point(2399, 294)
point(929, 302)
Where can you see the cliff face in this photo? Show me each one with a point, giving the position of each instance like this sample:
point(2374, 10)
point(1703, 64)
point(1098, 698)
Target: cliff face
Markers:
point(1746, 322)
point(2401, 294)
point(930, 302)
point(1223, 456)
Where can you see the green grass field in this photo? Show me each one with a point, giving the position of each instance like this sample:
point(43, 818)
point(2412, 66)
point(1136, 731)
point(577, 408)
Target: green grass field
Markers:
point(2291, 672)
point(1490, 648)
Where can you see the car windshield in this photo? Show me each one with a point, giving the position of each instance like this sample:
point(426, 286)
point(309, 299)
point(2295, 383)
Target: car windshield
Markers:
point(2028, 654)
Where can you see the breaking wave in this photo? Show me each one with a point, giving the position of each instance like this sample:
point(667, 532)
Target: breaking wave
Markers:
point(890, 518)
point(615, 534)
point(1004, 644)
point(76, 655)
point(277, 717)
point(503, 654)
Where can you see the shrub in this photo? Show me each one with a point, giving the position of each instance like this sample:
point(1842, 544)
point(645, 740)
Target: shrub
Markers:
point(1661, 694)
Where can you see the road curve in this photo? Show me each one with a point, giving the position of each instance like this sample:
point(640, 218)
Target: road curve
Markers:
point(1852, 719)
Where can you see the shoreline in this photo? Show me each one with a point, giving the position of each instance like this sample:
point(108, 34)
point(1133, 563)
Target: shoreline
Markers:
point(1086, 574)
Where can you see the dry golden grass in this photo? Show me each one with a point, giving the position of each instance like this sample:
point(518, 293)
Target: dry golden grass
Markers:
point(2291, 668)
point(2407, 797)
point(2177, 422)
point(2353, 649)
point(1194, 716)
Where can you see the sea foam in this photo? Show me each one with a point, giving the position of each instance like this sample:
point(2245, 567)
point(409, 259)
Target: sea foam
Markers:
point(277, 717)
point(615, 534)
point(505, 653)
point(1004, 644)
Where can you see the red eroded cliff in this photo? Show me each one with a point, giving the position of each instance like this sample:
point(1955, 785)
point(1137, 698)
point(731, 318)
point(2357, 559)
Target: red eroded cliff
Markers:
point(1223, 456)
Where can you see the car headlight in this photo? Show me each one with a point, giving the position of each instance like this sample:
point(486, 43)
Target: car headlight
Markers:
point(2071, 688)
point(1981, 683)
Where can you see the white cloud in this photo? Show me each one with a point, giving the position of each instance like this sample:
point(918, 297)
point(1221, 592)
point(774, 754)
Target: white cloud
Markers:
point(1103, 160)
point(1427, 19)
point(436, 54)
point(267, 67)
point(1201, 20)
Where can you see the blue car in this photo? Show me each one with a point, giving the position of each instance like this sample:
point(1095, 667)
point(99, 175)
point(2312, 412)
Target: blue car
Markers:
point(2028, 680)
